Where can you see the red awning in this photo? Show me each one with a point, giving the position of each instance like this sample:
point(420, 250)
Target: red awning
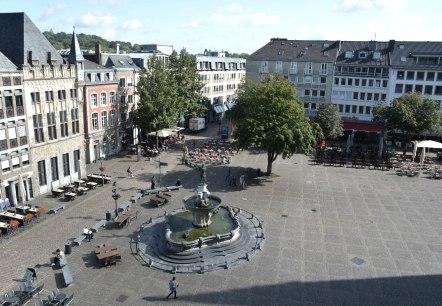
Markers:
point(363, 127)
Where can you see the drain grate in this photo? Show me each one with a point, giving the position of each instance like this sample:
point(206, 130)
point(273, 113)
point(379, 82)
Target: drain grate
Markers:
point(284, 216)
point(122, 298)
point(357, 260)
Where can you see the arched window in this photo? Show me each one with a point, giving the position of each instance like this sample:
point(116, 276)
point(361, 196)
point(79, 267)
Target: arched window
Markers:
point(103, 98)
point(112, 98)
point(104, 119)
point(95, 121)
point(94, 100)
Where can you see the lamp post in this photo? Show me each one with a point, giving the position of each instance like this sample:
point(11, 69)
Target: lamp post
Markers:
point(102, 170)
point(115, 196)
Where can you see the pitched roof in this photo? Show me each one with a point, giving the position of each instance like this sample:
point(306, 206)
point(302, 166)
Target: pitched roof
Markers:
point(6, 64)
point(406, 52)
point(282, 49)
point(21, 41)
point(120, 61)
point(75, 54)
point(370, 53)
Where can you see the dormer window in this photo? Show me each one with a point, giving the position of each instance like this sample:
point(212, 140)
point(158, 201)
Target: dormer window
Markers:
point(376, 55)
point(363, 54)
point(348, 54)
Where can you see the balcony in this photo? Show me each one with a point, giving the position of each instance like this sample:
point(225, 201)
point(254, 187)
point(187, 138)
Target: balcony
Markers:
point(23, 140)
point(20, 111)
point(3, 145)
point(13, 143)
point(10, 112)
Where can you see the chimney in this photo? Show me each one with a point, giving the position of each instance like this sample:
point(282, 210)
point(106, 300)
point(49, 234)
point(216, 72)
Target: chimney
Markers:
point(118, 48)
point(98, 53)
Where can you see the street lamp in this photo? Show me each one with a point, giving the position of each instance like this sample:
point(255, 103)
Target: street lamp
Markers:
point(102, 168)
point(115, 196)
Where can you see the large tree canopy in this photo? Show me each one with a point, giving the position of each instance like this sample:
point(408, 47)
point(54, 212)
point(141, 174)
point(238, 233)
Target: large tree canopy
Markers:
point(168, 91)
point(329, 120)
point(411, 114)
point(269, 115)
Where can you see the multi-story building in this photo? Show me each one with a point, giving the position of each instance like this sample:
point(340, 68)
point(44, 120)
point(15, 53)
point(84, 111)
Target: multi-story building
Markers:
point(126, 73)
point(99, 88)
point(53, 106)
point(354, 75)
point(221, 76)
point(308, 64)
point(16, 171)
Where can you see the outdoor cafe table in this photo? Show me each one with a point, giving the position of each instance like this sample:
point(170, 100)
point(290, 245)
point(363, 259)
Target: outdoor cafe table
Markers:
point(102, 257)
point(104, 249)
point(23, 208)
point(4, 225)
point(33, 210)
point(79, 182)
point(11, 215)
point(91, 185)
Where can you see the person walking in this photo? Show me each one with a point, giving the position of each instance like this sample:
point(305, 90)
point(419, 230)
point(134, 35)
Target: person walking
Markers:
point(129, 172)
point(152, 182)
point(173, 285)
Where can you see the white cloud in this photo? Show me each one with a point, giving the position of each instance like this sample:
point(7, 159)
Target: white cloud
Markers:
point(259, 19)
point(131, 24)
point(90, 20)
point(108, 34)
point(53, 10)
point(349, 6)
point(191, 24)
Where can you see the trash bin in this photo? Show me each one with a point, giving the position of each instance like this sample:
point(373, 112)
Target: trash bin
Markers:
point(108, 216)
point(68, 248)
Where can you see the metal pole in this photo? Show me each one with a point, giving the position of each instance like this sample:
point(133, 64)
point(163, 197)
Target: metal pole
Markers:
point(114, 192)
point(159, 166)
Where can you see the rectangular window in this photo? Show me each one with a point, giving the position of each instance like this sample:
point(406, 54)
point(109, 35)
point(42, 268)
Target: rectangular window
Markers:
point(439, 76)
point(62, 95)
point(52, 129)
point(400, 75)
point(293, 68)
point(341, 108)
point(420, 75)
point(356, 82)
point(367, 110)
point(355, 95)
point(438, 90)
point(323, 80)
point(428, 89)
point(122, 82)
point(347, 108)
point(343, 81)
point(264, 67)
point(49, 96)
point(75, 121)
point(383, 97)
point(418, 88)
point(361, 109)
point(313, 106)
point(308, 68)
point(307, 92)
point(35, 97)
point(76, 160)
point(399, 88)
point(94, 100)
point(103, 119)
point(384, 83)
point(129, 81)
point(364, 82)
point(95, 121)
point(408, 88)
point(354, 109)
point(336, 81)
point(278, 67)
point(73, 93)
point(430, 76)
point(362, 96)
point(103, 98)
point(54, 168)
point(410, 75)
point(64, 123)
point(42, 180)
point(376, 97)
point(369, 96)
point(350, 82)
point(130, 98)
point(324, 68)
point(38, 128)
point(66, 169)
point(112, 99)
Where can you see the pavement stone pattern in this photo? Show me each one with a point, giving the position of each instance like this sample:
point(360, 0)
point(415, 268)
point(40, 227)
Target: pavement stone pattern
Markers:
point(316, 219)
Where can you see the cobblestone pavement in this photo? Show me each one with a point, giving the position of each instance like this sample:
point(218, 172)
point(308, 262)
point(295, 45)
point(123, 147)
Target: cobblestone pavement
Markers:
point(334, 236)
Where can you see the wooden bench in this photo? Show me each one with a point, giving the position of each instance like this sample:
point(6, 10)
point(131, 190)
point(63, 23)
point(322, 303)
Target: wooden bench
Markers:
point(165, 196)
point(157, 201)
point(79, 239)
point(136, 197)
point(67, 276)
point(98, 224)
point(124, 206)
point(171, 188)
point(70, 196)
point(57, 208)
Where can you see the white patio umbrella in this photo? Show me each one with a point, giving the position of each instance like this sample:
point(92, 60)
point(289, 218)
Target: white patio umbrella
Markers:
point(348, 143)
point(21, 190)
point(352, 138)
point(422, 156)
point(414, 149)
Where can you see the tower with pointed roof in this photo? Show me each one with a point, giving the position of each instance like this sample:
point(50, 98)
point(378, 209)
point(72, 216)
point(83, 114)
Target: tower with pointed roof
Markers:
point(76, 57)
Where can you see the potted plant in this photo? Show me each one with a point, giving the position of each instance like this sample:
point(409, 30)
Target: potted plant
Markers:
point(116, 196)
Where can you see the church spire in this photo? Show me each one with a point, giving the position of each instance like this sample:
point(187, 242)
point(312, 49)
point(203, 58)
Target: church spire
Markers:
point(75, 54)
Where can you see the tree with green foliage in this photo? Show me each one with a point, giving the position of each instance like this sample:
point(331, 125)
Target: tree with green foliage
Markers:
point(183, 69)
point(412, 114)
point(329, 120)
point(158, 95)
point(269, 115)
point(238, 55)
point(318, 134)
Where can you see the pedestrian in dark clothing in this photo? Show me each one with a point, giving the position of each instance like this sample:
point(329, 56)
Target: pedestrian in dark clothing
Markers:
point(173, 285)
point(178, 182)
point(194, 144)
point(152, 182)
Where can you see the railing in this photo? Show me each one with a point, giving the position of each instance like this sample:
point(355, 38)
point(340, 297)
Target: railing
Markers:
point(3, 145)
point(20, 110)
point(13, 142)
point(23, 140)
point(10, 112)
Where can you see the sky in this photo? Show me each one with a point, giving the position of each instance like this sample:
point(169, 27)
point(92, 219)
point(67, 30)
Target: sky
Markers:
point(241, 26)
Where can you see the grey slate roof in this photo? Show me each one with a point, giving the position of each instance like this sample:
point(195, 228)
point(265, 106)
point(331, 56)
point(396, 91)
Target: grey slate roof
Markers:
point(6, 64)
point(75, 54)
point(120, 61)
point(405, 53)
point(281, 49)
point(19, 35)
point(92, 66)
point(356, 48)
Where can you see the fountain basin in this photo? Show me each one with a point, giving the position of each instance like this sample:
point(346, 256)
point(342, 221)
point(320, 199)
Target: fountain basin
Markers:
point(181, 234)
